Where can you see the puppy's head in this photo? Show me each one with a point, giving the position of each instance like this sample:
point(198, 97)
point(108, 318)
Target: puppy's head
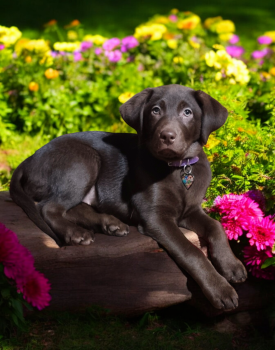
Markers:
point(170, 118)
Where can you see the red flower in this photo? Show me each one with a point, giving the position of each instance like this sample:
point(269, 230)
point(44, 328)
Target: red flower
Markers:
point(254, 259)
point(17, 260)
point(262, 233)
point(35, 290)
point(19, 265)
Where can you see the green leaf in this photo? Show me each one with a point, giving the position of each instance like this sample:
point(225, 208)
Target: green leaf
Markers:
point(268, 262)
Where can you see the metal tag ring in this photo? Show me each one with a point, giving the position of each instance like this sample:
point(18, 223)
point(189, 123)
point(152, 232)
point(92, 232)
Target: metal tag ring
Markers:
point(187, 169)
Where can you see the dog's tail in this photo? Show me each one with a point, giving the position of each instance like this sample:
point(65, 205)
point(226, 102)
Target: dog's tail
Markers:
point(27, 204)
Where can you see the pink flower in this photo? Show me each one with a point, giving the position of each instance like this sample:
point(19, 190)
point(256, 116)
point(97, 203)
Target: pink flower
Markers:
point(254, 259)
point(111, 44)
point(98, 51)
point(235, 51)
point(234, 39)
point(19, 265)
point(129, 42)
point(232, 227)
point(113, 56)
point(264, 40)
point(9, 251)
point(262, 233)
point(238, 213)
point(173, 18)
point(77, 56)
point(261, 53)
point(35, 290)
point(238, 207)
point(85, 45)
point(2, 47)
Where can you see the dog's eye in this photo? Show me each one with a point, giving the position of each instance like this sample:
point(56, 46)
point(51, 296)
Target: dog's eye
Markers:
point(187, 112)
point(156, 110)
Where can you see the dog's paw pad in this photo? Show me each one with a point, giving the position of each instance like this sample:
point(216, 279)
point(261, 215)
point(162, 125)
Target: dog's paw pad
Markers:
point(80, 236)
point(114, 227)
point(223, 297)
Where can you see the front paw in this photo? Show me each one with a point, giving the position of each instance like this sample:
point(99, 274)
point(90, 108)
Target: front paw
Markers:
point(222, 295)
point(79, 236)
point(231, 269)
point(114, 227)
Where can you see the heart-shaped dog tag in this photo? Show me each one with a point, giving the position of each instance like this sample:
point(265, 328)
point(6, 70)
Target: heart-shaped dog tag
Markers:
point(187, 180)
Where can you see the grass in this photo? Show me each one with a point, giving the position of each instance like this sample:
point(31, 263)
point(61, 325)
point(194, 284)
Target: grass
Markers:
point(174, 328)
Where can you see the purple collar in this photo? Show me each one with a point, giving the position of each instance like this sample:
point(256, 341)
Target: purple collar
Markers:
point(183, 162)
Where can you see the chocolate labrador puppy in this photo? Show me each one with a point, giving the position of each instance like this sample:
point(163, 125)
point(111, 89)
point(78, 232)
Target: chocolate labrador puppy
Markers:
point(156, 180)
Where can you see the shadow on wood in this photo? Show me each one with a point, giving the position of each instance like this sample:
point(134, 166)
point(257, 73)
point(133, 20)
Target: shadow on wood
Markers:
point(128, 275)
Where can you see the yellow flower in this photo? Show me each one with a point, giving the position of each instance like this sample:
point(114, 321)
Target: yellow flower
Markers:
point(194, 44)
point(153, 31)
point(218, 47)
point(33, 86)
point(38, 46)
point(64, 46)
point(235, 69)
point(125, 97)
point(178, 59)
point(172, 43)
point(218, 76)
point(51, 73)
point(28, 59)
point(189, 23)
point(161, 19)
point(9, 36)
point(96, 39)
point(265, 75)
point(272, 71)
point(271, 35)
point(225, 37)
point(47, 59)
point(212, 142)
point(72, 35)
point(225, 26)
point(212, 20)
point(174, 11)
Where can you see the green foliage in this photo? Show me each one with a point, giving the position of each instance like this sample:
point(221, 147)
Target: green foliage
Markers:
point(11, 305)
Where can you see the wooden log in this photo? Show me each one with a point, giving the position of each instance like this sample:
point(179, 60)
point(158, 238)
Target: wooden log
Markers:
point(128, 275)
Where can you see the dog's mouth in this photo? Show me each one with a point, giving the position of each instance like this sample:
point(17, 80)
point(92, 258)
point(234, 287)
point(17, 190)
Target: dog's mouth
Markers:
point(168, 153)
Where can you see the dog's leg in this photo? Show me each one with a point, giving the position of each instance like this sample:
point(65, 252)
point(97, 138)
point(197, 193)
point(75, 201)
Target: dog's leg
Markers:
point(54, 215)
point(215, 287)
point(85, 216)
point(221, 254)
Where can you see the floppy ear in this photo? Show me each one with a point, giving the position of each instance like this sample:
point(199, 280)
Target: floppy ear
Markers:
point(214, 114)
point(132, 110)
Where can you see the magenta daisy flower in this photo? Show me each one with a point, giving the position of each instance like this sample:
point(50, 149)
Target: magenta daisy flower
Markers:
point(232, 228)
point(253, 258)
point(239, 207)
point(235, 51)
point(234, 39)
point(262, 233)
point(264, 40)
point(35, 290)
point(129, 42)
point(113, 56)
point(111, 44)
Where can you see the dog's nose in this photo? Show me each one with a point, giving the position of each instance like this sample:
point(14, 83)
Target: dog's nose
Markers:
point(168, 137)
